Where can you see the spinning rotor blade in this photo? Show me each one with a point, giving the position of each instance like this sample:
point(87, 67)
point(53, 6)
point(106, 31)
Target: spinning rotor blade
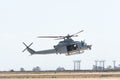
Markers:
point(58, 37)
point(62, 37)
point(49, 36)
point(79, 32)
point(75, 34)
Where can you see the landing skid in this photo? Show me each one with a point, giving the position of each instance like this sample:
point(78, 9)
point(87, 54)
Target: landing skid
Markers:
point(73, 53)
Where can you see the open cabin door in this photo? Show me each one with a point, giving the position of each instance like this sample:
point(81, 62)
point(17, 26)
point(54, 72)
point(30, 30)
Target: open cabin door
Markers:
point(72, 47)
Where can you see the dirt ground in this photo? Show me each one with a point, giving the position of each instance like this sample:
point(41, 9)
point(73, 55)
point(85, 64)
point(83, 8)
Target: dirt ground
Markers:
point(67, 79)
point(59, 75)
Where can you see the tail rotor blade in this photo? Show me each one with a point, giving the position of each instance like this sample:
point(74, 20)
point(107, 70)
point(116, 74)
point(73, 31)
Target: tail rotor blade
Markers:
point(24, 44)
point(30, 44)
point(24, 50)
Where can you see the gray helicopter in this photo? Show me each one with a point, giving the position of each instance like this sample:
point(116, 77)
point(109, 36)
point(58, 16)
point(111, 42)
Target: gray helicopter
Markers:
point(68, 46)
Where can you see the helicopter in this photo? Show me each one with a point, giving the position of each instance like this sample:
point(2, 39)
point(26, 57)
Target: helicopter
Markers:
point(67, 46)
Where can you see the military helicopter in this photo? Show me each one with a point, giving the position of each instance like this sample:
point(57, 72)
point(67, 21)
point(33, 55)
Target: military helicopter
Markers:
point(67, 46)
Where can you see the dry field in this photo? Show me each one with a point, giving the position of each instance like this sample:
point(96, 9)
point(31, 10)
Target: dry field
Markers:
point(68, 79)
point(59, 75)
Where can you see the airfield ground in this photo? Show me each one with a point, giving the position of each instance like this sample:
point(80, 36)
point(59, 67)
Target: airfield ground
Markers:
point(60, 75)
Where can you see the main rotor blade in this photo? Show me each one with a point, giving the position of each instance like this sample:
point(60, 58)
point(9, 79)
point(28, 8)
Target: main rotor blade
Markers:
point(78, 32)
point(62, 37)
point(50, 36)
point(75, 34)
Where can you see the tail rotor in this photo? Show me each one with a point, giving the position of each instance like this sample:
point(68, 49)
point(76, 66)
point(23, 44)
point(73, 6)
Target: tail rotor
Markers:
point(26, 46)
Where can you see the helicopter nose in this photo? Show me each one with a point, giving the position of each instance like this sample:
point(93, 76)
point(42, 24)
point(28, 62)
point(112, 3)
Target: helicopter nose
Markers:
point(89, 46)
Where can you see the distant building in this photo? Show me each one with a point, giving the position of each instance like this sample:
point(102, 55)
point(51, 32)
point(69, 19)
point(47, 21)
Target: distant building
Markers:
point(109, 67)
point(22, 69)
point(36, 69)
point(12, 70)
point(97, 67)
point(60, 69)
point(117, 68)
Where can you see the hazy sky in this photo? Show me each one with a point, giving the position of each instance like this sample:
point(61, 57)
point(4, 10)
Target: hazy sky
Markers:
point(24, 20)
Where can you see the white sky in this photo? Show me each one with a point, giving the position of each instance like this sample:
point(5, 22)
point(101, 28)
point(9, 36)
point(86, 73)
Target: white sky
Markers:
point(24, 20)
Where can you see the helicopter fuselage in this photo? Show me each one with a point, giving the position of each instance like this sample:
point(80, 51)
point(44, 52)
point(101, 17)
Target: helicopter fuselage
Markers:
point(69, 46)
